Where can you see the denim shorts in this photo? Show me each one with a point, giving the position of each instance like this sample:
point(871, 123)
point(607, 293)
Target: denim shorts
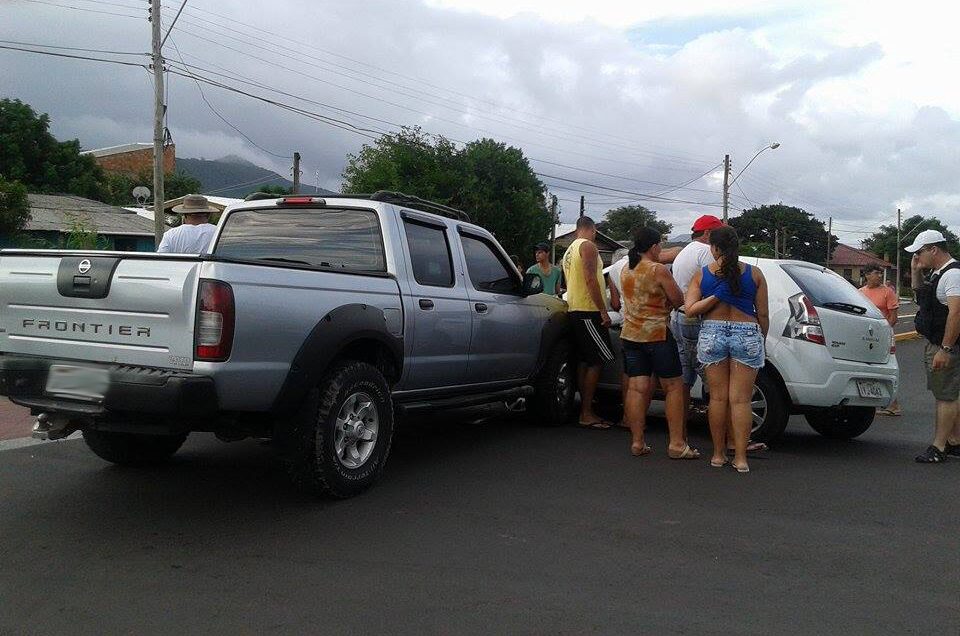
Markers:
point(686, 331)
point(722, 339)
point(651, 358)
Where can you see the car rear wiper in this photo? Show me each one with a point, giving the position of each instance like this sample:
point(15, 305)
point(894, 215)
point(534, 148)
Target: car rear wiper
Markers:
point(854, 309)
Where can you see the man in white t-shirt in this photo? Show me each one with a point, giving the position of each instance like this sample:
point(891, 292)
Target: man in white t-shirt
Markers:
point(938, 320)
point(193, 236)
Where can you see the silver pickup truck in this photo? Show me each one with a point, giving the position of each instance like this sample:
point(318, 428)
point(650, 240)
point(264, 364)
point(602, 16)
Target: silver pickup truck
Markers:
point(311, 321)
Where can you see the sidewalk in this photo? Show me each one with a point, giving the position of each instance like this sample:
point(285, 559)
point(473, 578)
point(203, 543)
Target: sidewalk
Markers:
point(15, 421)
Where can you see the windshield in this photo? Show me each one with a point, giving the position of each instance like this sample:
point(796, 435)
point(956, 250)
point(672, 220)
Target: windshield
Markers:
point(825, 288)
point(338, 239)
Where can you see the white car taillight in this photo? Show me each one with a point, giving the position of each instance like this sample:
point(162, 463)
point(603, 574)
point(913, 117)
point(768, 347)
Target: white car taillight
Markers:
point(215, 320)
point(804, 321)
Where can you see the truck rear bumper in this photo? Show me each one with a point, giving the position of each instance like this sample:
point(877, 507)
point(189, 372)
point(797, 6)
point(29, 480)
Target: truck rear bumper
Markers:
point(141, 390)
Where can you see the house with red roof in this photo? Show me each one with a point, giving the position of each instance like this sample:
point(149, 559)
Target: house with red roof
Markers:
point(849, 262)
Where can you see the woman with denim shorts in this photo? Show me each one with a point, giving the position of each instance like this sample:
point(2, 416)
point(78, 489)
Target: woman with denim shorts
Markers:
point(732, 297)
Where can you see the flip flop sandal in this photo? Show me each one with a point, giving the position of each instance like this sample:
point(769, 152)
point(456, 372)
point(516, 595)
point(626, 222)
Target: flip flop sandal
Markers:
point(599, 425)
point(740, 469)
point(640, 451)
point(723, 462)
point(753, 447)
point(688, 452)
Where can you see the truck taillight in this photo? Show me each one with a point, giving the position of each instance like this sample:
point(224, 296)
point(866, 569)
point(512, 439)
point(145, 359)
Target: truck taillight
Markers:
point(804, 321)
point(215, 318)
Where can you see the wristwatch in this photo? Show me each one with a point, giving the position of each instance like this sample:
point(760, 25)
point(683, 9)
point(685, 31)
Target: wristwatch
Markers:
point(950, 350)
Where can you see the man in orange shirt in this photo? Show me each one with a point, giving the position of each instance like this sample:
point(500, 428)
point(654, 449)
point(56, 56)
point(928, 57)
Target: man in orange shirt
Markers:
point(887, 302)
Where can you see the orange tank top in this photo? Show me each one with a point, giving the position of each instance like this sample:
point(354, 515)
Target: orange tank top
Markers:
point(645, 310)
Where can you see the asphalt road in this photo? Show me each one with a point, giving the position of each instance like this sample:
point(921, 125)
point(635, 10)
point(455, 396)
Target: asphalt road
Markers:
point(492, 527)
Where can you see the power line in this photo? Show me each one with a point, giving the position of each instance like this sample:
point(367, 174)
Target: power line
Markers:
point(86, 9)
point(217, 113)
point(71, 48)
point(75, 57)
point(639, 195)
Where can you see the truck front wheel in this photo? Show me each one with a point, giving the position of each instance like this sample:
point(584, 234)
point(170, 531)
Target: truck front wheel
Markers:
point(554, 389)
point(131, 449)
point(339, 441)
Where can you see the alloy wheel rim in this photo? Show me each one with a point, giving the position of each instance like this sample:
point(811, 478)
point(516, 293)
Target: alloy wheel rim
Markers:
point(564, 385)
point(758, 408)
point(357, 426)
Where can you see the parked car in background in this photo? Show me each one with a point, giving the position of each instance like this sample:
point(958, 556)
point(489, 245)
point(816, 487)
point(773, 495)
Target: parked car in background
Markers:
point(829, 355)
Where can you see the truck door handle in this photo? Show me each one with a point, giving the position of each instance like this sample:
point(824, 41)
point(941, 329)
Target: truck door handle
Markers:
point(481, 308)
point(426, 303)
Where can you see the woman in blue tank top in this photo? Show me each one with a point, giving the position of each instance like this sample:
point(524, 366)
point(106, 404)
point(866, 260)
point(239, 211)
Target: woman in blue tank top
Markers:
point(732, 297)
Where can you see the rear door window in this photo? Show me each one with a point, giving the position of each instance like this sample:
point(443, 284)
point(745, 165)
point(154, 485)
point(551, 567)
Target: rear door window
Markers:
point(338, 239)
point(829, 290)
point(429, 254)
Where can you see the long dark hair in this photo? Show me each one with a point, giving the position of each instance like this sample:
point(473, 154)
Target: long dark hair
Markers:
point(643, 239)
point(727, 242)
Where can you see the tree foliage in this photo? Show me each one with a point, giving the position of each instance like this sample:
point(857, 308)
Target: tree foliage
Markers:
point(278, 190)
point(490, 181)
point(31, 155)
point(883, 242)
point(14, 207)
point(806, 236)
point(176, 184)
point(620, 223)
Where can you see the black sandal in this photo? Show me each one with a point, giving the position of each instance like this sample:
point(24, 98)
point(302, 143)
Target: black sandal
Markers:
point(932, 455)
point(953, 450)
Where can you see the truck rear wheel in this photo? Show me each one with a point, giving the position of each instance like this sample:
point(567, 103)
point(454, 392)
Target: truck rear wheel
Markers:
point(339, 441)
point(555, 387)
point(844, 422)
point(131, 449)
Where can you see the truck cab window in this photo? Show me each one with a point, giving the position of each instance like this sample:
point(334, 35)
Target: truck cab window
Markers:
point(429, 254)
point(487, 269)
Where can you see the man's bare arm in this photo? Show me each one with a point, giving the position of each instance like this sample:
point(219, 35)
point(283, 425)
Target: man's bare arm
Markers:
point(952, 331)
point(590, 257)
point(669, 254)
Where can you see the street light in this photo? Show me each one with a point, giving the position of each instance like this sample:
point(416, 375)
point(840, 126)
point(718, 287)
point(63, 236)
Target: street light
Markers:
point(726, 175)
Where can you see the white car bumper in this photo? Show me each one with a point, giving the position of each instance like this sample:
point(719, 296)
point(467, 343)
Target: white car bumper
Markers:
point(841, 387)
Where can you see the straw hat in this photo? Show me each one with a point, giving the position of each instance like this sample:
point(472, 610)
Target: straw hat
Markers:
point(195, 204)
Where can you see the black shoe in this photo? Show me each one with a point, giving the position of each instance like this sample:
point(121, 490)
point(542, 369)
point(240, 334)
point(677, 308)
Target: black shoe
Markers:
point(953, 450)
point(932, 455)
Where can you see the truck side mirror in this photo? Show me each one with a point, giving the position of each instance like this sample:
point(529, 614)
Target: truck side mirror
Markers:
point(532, 284)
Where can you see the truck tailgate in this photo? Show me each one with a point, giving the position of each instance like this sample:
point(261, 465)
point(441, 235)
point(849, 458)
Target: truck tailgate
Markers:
point(145, 317)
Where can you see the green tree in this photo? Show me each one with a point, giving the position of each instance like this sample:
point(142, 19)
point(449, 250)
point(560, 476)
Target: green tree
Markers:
point(620, 223)
point(83, 236)
point(31, 155)
point(490, 181)
point(176, 184)
point(14, 207)
point(278, 190)
point(760, 250)
point(883, 242)
point(806, 236)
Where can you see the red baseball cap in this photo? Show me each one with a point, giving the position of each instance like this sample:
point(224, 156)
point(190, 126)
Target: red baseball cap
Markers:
point(706, 222)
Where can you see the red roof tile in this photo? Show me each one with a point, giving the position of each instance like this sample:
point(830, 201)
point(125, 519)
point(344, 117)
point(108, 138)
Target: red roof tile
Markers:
point(846, 255)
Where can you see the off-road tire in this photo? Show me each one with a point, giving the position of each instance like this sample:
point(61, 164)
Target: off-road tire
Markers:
point(307, 441)
point(552, 404)
point(778, 409)
point(132, 449)
point(845, 422)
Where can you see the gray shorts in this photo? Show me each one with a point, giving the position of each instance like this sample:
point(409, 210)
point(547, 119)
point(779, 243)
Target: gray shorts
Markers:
point(945, 383)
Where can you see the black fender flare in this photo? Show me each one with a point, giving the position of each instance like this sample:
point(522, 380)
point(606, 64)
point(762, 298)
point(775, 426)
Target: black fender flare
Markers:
point(555, 329)
point(330, 337)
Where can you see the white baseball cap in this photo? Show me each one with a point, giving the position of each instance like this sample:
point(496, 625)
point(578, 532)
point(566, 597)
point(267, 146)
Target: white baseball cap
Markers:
point(927, 237)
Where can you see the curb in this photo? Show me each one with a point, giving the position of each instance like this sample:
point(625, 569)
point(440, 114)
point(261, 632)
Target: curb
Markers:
point(909, 335)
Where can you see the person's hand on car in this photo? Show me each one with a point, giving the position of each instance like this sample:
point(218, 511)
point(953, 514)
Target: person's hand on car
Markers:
point(604, 318)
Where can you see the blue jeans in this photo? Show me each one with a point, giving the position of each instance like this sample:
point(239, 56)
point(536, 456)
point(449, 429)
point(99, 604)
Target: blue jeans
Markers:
point(722, 339)
point(686, 331)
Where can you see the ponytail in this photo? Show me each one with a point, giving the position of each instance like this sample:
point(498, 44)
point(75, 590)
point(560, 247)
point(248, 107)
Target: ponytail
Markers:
point(727, 242)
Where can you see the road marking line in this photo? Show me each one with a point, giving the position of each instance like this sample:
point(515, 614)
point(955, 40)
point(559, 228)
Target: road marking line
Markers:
point(24, 442)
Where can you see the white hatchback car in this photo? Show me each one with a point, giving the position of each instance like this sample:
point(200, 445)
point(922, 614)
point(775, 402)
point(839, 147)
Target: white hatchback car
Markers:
point(830, 354)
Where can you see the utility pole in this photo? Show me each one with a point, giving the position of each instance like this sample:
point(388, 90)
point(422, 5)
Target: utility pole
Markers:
point(553, 228)
point(898, 254)
point(582, 205)
point(158, 136)
point(776, 243)
point(829, 233)
point(726, 186)
point(296, 173)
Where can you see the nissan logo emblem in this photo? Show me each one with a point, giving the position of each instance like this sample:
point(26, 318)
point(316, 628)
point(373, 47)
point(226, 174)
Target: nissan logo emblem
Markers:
point(84, 266)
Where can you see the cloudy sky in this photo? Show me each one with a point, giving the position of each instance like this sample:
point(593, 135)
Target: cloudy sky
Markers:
point(634, 102)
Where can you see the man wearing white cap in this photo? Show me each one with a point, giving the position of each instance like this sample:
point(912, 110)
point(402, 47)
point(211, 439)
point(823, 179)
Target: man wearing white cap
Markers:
point(194, 234)
point(938, 320)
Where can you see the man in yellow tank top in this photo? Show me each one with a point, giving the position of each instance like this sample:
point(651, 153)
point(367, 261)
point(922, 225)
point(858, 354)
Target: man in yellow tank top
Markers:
point(587, 309)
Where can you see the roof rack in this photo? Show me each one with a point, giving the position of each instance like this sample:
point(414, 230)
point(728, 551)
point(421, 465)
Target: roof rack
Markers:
point(407, 200)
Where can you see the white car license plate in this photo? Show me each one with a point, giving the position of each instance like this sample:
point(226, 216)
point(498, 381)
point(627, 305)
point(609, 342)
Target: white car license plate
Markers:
point(78, 382)
point(870, 389)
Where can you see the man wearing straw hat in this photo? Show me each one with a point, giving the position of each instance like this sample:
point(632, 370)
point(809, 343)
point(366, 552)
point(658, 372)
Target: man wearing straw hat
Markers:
point(194, 234)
